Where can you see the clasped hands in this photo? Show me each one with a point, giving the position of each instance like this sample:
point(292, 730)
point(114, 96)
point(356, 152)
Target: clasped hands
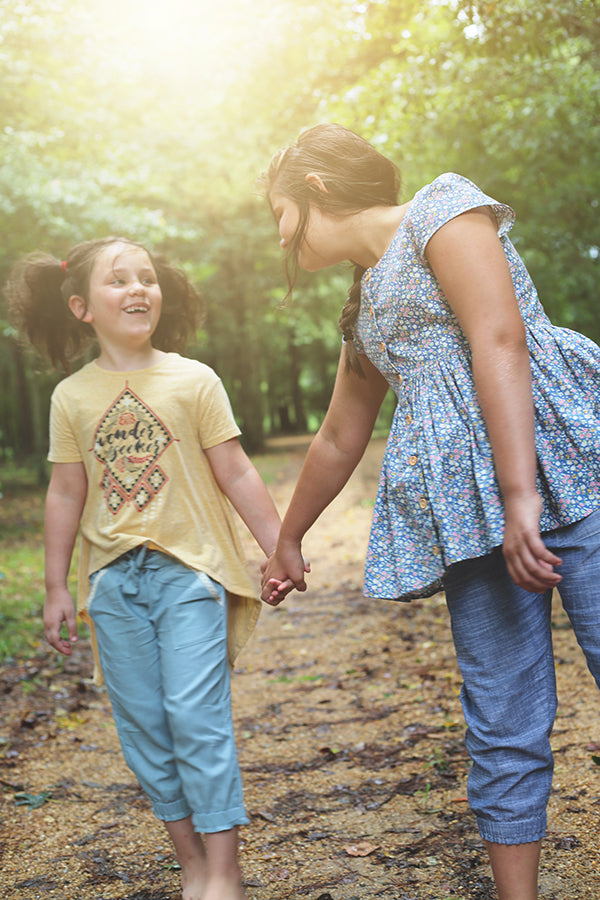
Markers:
point(282, 572)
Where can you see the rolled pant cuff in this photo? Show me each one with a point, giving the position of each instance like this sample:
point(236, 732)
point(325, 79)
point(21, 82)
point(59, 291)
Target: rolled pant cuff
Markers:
point(170, 811)
point(525, 831)
point(209, 823)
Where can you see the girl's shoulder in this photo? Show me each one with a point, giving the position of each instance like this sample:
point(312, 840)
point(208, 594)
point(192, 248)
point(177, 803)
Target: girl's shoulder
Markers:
point(75, 380)
point(450, 190)
point(186, 367)
point(446, 197)
point(183, 373)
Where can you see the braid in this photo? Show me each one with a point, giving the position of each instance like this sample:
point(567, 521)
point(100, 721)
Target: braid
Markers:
point(348, 319)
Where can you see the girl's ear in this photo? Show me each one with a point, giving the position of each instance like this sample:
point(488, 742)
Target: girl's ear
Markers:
point(316, 181)
point(78, 307)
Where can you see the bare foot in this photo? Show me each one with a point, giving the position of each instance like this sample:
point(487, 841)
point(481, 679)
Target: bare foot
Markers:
point(223, 888)
point(193, 883)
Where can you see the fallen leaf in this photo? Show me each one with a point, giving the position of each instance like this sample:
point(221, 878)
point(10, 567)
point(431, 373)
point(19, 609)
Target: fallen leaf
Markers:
point(363, 848)
point(33, 801)
point(263, 814)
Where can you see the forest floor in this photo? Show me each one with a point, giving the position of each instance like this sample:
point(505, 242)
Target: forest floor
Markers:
point(350, 739)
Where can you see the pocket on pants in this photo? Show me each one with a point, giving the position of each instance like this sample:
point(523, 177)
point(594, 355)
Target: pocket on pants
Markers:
point(198, 613)
point(95, 580)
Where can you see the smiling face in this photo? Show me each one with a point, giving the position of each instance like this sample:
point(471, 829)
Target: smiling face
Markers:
point(125, 299)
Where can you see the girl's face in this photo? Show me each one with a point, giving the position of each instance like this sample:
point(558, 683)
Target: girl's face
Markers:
point(125, 299)
point(320, 245)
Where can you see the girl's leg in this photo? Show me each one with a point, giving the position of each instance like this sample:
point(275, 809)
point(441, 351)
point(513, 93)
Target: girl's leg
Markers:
point(515, 869)
point(130, 659)
point(211, 874)
point(503, 644)
point(192, 634)
point(163, 649)
point(168, 681)
point(191, 856)
point(224, 874)
point(578, 545)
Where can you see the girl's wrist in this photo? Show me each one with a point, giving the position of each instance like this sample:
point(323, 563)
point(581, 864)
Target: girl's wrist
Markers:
point(514, 496)
point(289, 540)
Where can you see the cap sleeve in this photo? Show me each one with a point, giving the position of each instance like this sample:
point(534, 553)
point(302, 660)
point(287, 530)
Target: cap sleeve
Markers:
point(444, 199)
point(215, 419)
point(64, 447)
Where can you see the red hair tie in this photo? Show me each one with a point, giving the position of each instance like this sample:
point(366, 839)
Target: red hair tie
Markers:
point(63, 265)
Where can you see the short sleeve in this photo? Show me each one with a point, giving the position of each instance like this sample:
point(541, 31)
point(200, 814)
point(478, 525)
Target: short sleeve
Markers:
point(63, 443)
point(444, 199)
point(216, 422)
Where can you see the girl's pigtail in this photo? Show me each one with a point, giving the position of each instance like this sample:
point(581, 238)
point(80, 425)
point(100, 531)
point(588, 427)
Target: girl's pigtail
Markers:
point(347, 322)
point(38, 291)
point(182, 310)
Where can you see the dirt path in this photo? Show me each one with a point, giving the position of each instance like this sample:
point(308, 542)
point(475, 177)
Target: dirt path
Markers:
point(350, 740)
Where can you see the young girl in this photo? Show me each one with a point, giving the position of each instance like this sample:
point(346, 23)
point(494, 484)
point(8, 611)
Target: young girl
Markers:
point(490, 485)
point(145, 452)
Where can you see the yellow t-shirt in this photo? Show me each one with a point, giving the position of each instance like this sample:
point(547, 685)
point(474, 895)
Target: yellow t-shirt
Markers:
point(141, 436)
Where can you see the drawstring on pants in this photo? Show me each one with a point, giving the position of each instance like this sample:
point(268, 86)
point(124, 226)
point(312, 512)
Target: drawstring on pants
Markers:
point(136, 559)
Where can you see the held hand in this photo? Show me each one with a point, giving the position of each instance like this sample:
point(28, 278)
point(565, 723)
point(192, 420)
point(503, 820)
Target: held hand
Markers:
point(282, 572)
point(530, 564)
point(279, 591)
point(59, 608)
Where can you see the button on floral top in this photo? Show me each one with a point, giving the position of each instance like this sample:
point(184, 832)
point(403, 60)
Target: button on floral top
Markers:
point(438, 500)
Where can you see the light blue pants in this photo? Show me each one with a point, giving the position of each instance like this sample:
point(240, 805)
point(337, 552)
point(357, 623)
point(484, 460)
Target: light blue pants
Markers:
point(503, 641)
point(162, 639)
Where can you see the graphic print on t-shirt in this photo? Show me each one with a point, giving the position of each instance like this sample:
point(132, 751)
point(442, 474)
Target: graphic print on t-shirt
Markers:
point(129, 440)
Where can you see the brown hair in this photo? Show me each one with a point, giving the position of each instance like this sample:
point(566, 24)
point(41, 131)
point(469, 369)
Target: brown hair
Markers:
point(356, 176)
point(39, 287)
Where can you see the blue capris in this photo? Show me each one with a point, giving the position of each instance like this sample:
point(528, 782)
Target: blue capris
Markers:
point(503, 640)
point(162, 640)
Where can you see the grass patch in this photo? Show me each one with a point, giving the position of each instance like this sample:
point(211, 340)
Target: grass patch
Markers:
point(21, 570)
point(21, 600)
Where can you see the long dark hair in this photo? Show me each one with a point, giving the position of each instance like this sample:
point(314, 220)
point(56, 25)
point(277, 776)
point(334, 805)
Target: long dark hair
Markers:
point(356, 176)
point(39, 287)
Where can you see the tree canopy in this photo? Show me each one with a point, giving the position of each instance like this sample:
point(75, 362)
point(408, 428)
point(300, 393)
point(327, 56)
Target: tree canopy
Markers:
point(154, 120)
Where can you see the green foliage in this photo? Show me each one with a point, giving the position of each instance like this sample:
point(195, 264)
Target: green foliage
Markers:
point(22, 563)
point(21, 573)
point(160, 136)
point(33, 801)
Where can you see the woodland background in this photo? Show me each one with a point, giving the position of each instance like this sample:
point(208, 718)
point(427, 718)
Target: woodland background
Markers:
point(153, 120)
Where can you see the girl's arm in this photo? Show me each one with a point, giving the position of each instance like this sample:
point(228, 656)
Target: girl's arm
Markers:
point(333, 455)
point(469, 262)
point(242, 485)
point(64, 505)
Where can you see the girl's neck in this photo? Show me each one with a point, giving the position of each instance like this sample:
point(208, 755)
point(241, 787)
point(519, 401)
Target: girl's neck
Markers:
point(375, 231)
point(116, 360)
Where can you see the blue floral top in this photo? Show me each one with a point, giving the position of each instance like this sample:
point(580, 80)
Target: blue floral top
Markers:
point(438, 500)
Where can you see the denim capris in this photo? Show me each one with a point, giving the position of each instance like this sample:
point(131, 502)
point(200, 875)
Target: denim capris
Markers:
point(503, 640)
point(162, 639)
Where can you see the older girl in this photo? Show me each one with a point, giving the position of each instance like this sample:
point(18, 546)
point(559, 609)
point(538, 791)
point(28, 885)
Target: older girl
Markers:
point(490, 486)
